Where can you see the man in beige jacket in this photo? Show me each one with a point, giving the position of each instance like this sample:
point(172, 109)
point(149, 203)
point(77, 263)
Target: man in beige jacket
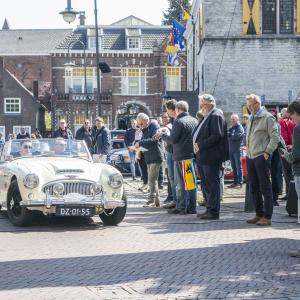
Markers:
point(262, 139)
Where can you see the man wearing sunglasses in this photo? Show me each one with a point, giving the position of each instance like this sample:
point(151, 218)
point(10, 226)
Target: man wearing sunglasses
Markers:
point(63, 131)
point(25, 149)
point(85, 133)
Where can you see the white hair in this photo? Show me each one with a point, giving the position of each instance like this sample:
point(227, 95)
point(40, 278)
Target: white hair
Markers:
point(253, 97)
point(142, 116)
point(208, 98)
point(182, 105)
point(283, 112)
point(235, 116)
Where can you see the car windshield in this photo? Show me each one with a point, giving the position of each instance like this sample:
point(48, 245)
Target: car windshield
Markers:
point(45, 147)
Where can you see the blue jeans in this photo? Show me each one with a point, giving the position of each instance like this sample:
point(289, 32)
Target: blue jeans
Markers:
point(236, 163)
point(186, 199)
point(132, 162)
point(170, 166)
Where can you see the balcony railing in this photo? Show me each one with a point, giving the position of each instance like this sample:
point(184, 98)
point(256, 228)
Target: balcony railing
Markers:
point(105, 97)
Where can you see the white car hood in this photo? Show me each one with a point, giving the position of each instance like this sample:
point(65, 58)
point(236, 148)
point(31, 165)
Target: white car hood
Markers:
point(55, 168)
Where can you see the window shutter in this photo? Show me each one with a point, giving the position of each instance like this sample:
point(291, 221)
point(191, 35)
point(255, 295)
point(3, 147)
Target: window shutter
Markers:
point(298, 16)
point(251, 16)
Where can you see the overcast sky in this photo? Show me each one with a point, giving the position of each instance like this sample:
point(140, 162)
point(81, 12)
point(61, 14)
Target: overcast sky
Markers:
point(45, 13)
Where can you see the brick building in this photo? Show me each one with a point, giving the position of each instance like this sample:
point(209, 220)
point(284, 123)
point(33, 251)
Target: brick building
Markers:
point(245, 46)
point(134, 50)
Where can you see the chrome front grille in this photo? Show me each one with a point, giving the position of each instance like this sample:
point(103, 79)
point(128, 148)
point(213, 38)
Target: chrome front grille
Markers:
point(83, 188)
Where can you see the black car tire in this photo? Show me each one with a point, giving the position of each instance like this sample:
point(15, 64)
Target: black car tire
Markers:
point(17, 214)
point(113, 219)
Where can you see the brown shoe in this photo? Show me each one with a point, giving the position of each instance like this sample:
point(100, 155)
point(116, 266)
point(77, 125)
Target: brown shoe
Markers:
point(264, 222)
point(254, 220)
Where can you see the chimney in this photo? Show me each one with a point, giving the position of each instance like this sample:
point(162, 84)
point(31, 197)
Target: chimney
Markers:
point(82, 18)
point(5, 25)
point(35, 89)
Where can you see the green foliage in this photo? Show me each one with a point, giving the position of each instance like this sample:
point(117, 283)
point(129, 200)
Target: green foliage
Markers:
point(174, 11)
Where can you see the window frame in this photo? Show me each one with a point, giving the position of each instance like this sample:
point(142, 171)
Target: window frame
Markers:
point(175, 73)
point(142, 79)
point(14, 112)
point(17, 129)
point(138, 39)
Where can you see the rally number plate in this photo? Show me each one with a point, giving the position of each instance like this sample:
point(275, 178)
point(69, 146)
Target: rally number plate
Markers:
point(71, 211)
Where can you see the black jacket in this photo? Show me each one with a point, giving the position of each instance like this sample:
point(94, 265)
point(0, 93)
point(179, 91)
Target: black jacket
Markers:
point(102, 141)
point(212, 140)
point(155, 153)
point(129, 137)
point(21, 136)
point(86, 135)
point(181, 137)
point(66, 134)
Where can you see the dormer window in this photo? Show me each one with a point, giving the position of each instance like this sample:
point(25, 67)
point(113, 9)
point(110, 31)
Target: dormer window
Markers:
point(92, 39)
point(133, 39)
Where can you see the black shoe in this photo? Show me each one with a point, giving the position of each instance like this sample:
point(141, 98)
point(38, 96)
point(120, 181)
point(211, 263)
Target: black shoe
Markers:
point(168, 200)
point(191, 212)
point(134, 178)
point(169, 205)
point(232, 186)
point(209, 216)
point(284, 198)
point(275, 203)
point(160, 187)
point(176, 211)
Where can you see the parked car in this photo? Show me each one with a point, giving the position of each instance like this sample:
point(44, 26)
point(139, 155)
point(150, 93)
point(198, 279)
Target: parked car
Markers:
point(58, 177)
point(117, 134)
point(228, 172)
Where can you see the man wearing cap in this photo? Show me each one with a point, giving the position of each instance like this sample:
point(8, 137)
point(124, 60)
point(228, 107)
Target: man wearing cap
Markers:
point(211, 148)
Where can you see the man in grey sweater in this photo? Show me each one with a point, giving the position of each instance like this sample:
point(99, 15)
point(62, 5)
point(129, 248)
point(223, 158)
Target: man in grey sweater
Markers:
point(294, 156)
point(262, 139)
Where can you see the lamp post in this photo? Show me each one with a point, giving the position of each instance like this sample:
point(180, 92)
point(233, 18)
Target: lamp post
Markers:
point(69, 15)
point(71, 65)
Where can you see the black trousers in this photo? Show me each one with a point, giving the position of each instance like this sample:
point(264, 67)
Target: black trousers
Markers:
point(276, 174)
point(261, 187)
point(143, 167)
point(287, 173)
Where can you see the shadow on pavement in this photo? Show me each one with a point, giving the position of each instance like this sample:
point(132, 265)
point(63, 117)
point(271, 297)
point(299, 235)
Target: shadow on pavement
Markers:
point(260, 268)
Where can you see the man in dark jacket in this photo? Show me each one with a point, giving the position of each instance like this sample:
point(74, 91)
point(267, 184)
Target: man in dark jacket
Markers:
point(84, 133)
point(211, 145)
point(154, 156)
point(63, 131)
point(235, 140)
point(183, 156)
point(129, 140)
point(23, 134)
point(102, 138)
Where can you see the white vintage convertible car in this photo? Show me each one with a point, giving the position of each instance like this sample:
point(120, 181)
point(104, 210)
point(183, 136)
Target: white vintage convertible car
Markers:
point(59, 177)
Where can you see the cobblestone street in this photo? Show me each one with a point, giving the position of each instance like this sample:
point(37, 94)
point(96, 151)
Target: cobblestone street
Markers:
point(151, 255)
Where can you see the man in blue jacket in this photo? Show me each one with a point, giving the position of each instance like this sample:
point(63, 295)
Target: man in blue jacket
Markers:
point(154, 155)
point(235, 140)
point(102, 138)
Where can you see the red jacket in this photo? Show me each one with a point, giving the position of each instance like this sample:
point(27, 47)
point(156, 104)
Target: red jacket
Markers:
point(287, 128)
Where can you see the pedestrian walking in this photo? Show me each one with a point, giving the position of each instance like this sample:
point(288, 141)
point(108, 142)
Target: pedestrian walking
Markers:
point(129, 142)
point(211, 146)
point(23, 134)
point(154, 155)
point(63, 131)
point(262, 140)
point(286, 127)
point(235, 140)
point(84, 133)
point(102, 139)
point(183, 156)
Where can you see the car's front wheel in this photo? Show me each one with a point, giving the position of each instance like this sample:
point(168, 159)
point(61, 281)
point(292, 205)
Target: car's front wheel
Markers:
point(116, 216)
point(17, 214)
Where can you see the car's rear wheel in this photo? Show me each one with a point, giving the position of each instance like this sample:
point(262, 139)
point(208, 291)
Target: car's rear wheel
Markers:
point(114, 216)
point(17, 214)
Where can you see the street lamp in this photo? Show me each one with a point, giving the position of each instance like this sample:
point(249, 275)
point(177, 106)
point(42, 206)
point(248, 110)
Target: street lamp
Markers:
point(69, 16)
point(72, 65)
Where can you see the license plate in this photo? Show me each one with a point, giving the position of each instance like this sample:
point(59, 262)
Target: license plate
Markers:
point(72, 211)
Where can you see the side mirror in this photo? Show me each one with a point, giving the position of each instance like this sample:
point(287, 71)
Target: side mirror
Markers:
point(8, 157)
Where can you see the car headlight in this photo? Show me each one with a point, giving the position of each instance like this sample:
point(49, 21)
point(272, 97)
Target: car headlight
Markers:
point(96, 189)
point(31, 181)
point(115, 180)
point(58, 188)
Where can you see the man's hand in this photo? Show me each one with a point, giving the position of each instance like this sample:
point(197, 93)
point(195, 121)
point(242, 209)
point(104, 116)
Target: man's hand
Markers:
point(157, 136)
point(266, 156)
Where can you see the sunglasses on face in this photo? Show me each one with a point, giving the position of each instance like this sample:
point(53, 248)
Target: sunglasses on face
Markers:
point(26, 147)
